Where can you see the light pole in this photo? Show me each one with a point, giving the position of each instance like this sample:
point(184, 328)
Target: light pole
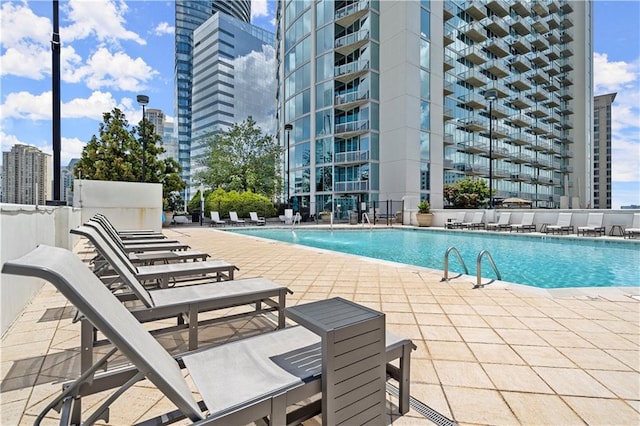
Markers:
point(491, 95)
point(143, 100)
point(288, 128)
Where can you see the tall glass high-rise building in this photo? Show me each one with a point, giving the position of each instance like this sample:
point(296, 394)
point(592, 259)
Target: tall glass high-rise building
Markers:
point(602, 191)
point(233, 79)
point(188, 16)
point(391, 100)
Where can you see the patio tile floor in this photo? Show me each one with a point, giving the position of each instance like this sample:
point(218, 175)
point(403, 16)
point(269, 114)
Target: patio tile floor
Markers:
point(490, 356)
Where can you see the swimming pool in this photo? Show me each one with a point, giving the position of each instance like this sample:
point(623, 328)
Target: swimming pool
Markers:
point(534, 260)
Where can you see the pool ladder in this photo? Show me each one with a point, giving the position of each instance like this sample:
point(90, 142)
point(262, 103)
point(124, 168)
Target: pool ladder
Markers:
point(466, 270)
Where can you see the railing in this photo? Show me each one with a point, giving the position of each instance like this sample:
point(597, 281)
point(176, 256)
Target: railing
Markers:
point(352, 126)
point(350, 67)
point(352, 8)
point(479, 267)
point(352, 38)
point(351, 186)
point(351, 156)
point(446, 263)
point(351, 97)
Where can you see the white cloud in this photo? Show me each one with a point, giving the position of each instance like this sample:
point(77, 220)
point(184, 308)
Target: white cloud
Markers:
point(103, 19)
point(612, 76)
point(24, 105)
point(28, 60)
point(9, 140)
point(113, 70)
point(20, 25)
point(164, 28)
point(69, 148)
point(259, 8)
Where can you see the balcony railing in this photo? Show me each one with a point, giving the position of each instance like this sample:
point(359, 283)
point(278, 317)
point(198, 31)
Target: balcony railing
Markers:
point(351, 97)
point(351, 67)
point(351, 186)
point(352, 8)
point(352, 157)
point(352, 126)
point(352, 38)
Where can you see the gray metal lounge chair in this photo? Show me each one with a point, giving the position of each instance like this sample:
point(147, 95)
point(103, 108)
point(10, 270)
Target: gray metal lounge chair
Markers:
point(161, 274)
point(239, 382)
point(255, 219)
point(215, 219)
point(476, 221)
point(139, 246)
point(526, 224)
point(457, 221)
point(134, 240)
point(233, 217)
point(128, 234)
point(563, 225)
point(502, 223)
point(594, 225)
point(634, 230)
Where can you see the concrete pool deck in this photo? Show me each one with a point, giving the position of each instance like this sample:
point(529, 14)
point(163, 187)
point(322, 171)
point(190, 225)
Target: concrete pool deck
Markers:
point(495, 355)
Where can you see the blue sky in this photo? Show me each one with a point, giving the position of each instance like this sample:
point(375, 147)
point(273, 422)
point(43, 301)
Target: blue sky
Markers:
point(113, 50)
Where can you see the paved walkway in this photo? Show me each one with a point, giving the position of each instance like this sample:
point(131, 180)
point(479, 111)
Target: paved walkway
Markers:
point(491, 356)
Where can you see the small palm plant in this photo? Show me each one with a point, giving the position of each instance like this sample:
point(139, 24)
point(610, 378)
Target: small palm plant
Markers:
point(424, 207)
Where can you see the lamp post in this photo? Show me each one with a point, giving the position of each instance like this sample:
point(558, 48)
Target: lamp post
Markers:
point(143, 100)
point(288, 128)
point(491, 95)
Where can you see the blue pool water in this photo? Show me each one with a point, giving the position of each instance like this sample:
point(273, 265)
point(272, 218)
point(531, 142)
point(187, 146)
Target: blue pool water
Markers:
point(544, 262)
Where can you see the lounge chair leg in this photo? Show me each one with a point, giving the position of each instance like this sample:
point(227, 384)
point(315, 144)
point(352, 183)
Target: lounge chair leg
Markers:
point(278, 410)
point(193, 328)
point(282, 302)
point(405, 380)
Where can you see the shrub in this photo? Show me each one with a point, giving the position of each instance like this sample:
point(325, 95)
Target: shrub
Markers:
point(243, 203)
point(424, 207)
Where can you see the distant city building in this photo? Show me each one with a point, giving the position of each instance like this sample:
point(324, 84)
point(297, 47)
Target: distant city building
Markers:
point(169, 141)
point(602, 150)
point(391, 100)
point(631, 207)
point(66, 180)
point(189, 15)
point(26, 175)
point(233, 79)
point(156, 117)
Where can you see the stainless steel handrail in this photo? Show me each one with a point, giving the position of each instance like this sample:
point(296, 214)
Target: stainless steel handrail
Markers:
point(479, 267)
point(446, 263)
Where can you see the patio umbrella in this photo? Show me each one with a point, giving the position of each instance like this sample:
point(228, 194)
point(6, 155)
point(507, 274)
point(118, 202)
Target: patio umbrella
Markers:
point(517, 201)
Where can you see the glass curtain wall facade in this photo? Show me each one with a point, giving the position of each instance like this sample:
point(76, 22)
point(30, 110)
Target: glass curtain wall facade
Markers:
point(602, 151)
point(389, 100)
point(188, 16)
point(233, 78)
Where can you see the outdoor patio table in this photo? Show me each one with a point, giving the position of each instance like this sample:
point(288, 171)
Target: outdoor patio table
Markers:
point(353, 359)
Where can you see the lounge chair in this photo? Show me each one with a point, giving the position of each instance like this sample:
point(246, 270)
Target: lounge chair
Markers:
point(526, 224)
point(215, 219)
point(563, 225)
point(476, 221)
point(239, 382)
point(255, 219)
point(634, 230)
point(233, 217)
point(163, 274)
point(594, 225)
point(128, 234)
point(288, 216)
point(456, 222)
point(502, 223)
point(138, 246)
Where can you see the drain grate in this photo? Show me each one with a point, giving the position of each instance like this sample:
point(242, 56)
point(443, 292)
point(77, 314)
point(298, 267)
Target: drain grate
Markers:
point(422, 408)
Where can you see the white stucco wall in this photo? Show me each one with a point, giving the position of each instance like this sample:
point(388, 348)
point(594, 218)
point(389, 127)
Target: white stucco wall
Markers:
point(128, 205)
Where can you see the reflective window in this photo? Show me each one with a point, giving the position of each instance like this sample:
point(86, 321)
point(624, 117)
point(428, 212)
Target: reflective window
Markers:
point(324, 67)
point(424, 115)
point(324, 94)
point(324, 39)
point(324, 151)
point(425, 85)
point(298, 55)
point(425, 55)
point(324, 12)
point(425, 29)
point(324, 123)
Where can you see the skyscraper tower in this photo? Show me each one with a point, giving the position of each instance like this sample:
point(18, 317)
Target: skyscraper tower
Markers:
point(189, 15)
point(394, 100)
point(602, 151)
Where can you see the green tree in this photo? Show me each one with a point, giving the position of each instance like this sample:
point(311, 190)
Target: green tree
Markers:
point(467, 193)
point(116, 155)
point(242, 159)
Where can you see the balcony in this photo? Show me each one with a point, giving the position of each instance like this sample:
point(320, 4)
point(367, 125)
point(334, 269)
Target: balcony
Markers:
point(539, 8)
point(499, 132)
point(499, 7)
point(351, 13)
point(352, 70)
point(496, 25)
point(352, 128)
point(449, 36)
point(553, 118)
point(497, 68)
point(473, 101)
point(539, 128)
point(522, 27)
point(475, 10)
point(553, 69)
point(449, 60)
point(553, 53)
point(520, 138)
point(567, 22)
point(521, 8)
point(520, 63)
point(566, 36)
point(498, 111)
point(540, 26)
point(565, 65)
point(565, 109)
point(537, 41)
point(351, 186)
point(521, 120)
point(476, 170)
point(565, 80)
point(567, 154)
point(519, 102)
point(552, 22)
point(474, 78)
point(448, 113)
point(447, 139)
point(565, 94)
point(553, 37)
point(474, 54)
point(475, 31)
point(566, 125)
point(520, 158)
point(351, 157)
point(498, 47)
point(519, 82)
point(472, 147)
point(449, 10)
point(498, 153)
point(473, 124)
point(447, 88)
point(538, 60)
point(520, 44)
point(350, 100)
point(554, 101)
point(538, 76)
point(539, 111)
point(351, 42)
point(538, 94)
point(566, 52)
point(553, 85)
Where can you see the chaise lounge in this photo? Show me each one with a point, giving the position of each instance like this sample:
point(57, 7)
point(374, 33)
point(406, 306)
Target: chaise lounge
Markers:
point(526, 224)
point(562, 226)
point(502, 223)
point(239, 382)
point(594, 225)
point(634, 230)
